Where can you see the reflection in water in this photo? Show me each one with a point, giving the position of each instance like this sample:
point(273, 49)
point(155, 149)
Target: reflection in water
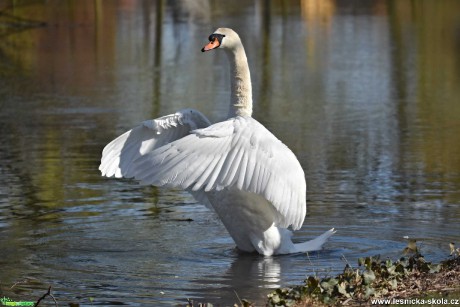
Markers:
point(365, 93)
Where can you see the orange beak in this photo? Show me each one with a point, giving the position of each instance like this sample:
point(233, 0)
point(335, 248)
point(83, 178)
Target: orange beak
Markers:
point(211, 45)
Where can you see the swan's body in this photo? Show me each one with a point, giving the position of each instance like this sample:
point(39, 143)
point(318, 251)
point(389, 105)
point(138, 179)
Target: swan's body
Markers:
point(237, 167)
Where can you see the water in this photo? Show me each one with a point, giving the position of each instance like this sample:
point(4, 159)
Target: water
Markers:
point(366, 93)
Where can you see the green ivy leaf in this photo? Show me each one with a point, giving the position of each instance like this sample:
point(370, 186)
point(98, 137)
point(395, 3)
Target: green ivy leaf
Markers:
point(368, 277)
point(275, 299)
point(328, 284)
point(389, 263)
point(435, 268)
point(341, 288)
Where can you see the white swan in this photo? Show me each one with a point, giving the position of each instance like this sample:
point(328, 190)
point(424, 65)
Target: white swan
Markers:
point(237, 167)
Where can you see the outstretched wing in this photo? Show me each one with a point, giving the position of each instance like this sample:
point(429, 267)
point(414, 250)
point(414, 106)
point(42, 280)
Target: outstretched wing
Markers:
point(238, 153)
point(118, 156)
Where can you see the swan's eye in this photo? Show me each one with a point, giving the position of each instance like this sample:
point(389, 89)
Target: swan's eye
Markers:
point(213, 37)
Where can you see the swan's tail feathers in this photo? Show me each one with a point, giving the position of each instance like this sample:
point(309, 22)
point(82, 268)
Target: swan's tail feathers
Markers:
point(315, 244)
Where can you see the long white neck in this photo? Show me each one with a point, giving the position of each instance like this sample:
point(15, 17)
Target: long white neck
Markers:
point(241, 97)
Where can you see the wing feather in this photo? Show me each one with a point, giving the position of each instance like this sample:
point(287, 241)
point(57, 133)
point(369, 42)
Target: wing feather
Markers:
point(207, 173)
point(215, 173)
point(238, 153)
point(232, 164)
point(200, 167)
point(242, 172)
point(118, 156)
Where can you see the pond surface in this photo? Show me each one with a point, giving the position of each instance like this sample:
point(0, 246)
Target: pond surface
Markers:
point(366, 94)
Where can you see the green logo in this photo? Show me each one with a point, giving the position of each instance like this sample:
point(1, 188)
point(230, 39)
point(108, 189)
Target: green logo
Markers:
point(8, 302)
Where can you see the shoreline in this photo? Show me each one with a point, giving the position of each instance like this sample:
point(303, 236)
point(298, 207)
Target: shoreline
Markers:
point(411, 280)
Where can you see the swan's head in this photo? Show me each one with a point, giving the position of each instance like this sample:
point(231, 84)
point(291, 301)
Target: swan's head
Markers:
point(223, 38)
